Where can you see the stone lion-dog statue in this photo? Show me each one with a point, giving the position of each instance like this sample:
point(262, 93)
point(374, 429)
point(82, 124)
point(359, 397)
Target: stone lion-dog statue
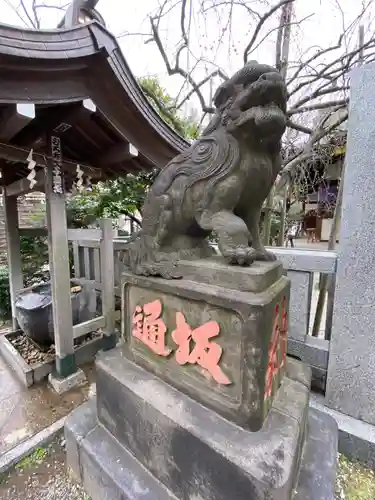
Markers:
point(219, 184)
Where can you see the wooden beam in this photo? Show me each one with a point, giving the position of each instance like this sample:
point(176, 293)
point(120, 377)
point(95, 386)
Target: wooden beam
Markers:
point(89, 238)
point(84, 234)
point(88, 326)
point(33, 232)
point(57, 120)
point(118, 153)
point(22, 186)
point(14, 118)
point(19, 155)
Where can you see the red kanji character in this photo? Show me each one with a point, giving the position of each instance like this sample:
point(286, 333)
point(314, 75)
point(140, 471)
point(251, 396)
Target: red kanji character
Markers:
point(149, 328)
point(138, 323)
point(284, 332)
point(205, 353)
point(273, 363)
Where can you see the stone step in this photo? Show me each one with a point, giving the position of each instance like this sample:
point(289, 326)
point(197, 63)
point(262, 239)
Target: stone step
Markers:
point(317, 476)
point(109, 472)
point(105, 469)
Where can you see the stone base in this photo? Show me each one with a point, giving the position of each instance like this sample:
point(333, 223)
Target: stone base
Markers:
point(239, 315)
point(145, 439)
point(61, 385)
point(105, 468)
point(108, 471)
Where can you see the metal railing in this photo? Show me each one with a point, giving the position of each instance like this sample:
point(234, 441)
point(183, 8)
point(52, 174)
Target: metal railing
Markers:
point(304, 268)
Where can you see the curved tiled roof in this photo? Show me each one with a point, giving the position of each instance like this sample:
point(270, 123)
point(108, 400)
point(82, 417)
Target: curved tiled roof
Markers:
point(61, 66)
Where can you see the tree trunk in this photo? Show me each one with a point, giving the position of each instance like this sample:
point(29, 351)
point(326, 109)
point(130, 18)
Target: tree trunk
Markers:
point(282, 58)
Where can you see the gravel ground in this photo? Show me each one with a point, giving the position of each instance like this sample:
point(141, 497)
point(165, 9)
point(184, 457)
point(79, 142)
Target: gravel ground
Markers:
point(41, 477)
point(354, 481)
point(33, 354)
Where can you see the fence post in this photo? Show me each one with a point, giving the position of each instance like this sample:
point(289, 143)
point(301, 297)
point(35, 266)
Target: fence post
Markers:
point(14, 251)
point(67, 373)
point(76, 260)
point(108, 283)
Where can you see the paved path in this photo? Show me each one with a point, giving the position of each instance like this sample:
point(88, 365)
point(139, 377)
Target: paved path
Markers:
point(24, 412)
point(44, 479)
point(320, 245)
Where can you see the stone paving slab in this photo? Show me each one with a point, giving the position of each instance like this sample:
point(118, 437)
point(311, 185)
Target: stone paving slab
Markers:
point(42, 479)
point(24, 412)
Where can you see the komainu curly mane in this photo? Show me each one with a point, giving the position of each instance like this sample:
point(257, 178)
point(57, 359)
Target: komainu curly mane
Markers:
point(208, 159)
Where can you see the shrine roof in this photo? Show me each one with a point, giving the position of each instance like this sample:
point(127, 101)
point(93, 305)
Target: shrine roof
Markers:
point(78, 85)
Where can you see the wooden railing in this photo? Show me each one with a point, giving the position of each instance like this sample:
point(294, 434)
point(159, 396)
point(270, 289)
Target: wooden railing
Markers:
point(93, 254)
point(86, 255)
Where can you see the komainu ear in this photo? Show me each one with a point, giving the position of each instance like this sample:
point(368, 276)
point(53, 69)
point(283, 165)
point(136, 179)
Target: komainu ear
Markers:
point(223, 94)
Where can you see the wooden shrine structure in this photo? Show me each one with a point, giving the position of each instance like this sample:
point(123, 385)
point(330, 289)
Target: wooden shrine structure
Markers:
point(69, 96)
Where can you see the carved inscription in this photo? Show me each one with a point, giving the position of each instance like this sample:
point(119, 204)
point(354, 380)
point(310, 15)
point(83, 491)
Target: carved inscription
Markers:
point(57, 176)
point(195, 345)
point(278, 347)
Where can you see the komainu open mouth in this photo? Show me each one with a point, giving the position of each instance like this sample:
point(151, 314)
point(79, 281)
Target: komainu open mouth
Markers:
point(265, 90)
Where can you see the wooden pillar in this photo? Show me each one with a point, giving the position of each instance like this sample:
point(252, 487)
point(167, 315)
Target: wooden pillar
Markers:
point(14, 251)
point(59, 265)
point(108, 283)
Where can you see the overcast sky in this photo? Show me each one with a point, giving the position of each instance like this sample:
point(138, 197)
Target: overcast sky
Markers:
point(321, 28)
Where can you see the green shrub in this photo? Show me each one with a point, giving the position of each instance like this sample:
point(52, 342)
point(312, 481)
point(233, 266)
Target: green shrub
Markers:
point(34, 255)
point(5, 305)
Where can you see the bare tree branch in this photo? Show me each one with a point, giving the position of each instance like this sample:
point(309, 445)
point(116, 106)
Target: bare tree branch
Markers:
point(132, 217)
point(128, 33)
point(319, 105)
point(15, 10)
point(182, 23)
point(35, 13)
point(232, 3)
point(55, 7)
point(177, 70)
point(200, 84)
point(344, 61)
point(276, 29)
point(299, 128)
point(308, 152)
point(313, 58)
point(319, 81)
point(262, 20)
point(315, 94)
point(34, 21)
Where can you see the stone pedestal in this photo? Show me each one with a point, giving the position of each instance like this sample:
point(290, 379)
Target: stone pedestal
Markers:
point(201, 402)
point(219, 335)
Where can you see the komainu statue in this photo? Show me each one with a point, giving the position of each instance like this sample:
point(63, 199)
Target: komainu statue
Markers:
point(218, 185)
